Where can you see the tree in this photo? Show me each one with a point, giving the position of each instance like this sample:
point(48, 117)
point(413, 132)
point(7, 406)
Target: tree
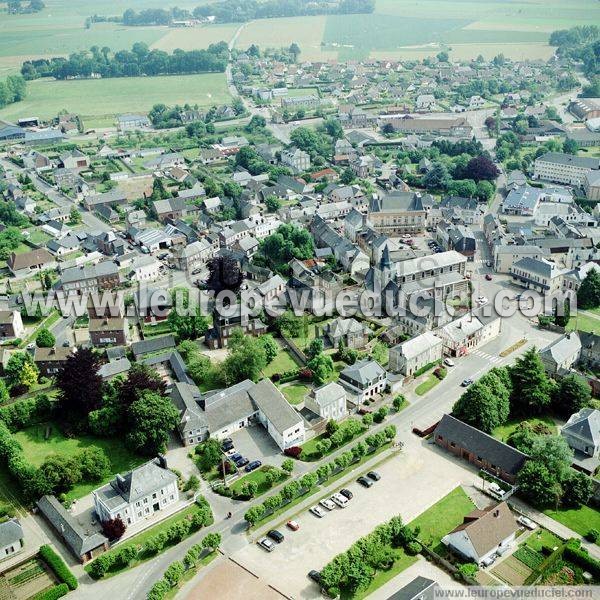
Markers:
point(554, 452)
point(437, 178)
point(188, 327)
point(321, 367)
point(152, 418)
point(570, 146)
point(270, 347)
point(45, 339)
point(174, 573)
point(588, 296)
point(254, 514)
point(538, 485)
point(314, 348)
point(485, 190)
point(273, 203)
point(140, 378)
point(4, 395)
point(398, 402)
point(74, 217)
point(246, 360)
point(481, 167)
point(58, 474)
point(287, 465)
point(562, 320)
point(571, 395)
point(93, 464)
point(20, 371)
point(480, 407)
point(532, 388)
point(577, 489)
point(113, 529)
point(80, 385)
point(224, 274)
point(209, 454)
point(294, 50)
point(211, 541)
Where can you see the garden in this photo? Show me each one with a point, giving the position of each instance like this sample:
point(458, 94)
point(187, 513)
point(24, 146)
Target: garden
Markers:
point(336, 436)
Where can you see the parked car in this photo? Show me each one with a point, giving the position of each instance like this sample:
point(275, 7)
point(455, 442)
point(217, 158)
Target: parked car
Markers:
point(488, 276)
point(327, 503)
point(236, 456)
point(467, 382)
point(66, 344)
point(448, 362)
point(227, 444)
point(317, 511)
point(293, 525)
point(521, 520)
point(346, 492)
point(242, 462)
point(340, 500)
point(253, 466)
point(315, 576)
point(266, 544)
point(488, 264)
point(374, 475)
point(364, 481)
point(276, 536)
point(490, 560)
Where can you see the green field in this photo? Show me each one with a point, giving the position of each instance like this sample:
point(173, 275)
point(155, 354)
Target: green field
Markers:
point(108, 97)
point(36, 448)
point(580, 520)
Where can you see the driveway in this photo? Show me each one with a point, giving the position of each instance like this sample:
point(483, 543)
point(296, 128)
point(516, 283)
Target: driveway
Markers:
point(319, 540)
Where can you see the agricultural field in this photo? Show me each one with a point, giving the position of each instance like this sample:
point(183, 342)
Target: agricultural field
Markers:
point(99, 100)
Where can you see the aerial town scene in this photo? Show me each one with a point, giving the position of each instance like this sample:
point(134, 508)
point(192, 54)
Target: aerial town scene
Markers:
point(299, 299)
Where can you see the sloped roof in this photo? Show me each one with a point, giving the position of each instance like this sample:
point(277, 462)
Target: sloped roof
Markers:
point(585, 424)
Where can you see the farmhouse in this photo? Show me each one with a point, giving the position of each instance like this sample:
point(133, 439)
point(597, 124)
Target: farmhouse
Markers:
point(11, 538)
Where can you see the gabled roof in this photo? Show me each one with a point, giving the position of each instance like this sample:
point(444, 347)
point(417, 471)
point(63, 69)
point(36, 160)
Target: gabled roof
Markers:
point(363, 371)
point(585, 424)
point(509, 459)
point(10, 533)
point(487, 528)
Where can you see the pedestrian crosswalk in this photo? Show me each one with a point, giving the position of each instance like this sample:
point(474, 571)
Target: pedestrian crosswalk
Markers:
point(490, 357)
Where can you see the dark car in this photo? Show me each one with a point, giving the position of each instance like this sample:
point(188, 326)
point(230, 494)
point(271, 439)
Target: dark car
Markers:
point(374, 475)
point(467, 382)
point(315, 576)
point(364, 482)
point(227, 444)
point(347, 493)
point(488, 277)
point(235, 457)
point(253, 465)
point(276, 536)
point(242, 462)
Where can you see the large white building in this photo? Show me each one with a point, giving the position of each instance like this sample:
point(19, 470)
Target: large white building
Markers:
point(410, 356)
point(147, 489)
point(564, 168)
point(328, 401)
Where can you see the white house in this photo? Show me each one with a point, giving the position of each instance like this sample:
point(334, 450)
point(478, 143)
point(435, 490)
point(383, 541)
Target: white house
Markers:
point(365, 379)
point(582, 431)
point(145, 268)
point(483, 533)
point(11, 538)
point(408, 357)
point(132, 497)
point(328, 401)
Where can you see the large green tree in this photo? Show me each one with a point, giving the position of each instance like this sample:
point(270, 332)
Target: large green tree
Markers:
point(588, 295)
point(247, 358)
point(532, 388)
point(571, 395)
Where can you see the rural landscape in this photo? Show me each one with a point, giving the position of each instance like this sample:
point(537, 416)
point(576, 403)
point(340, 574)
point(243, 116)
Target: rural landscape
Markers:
point(299, 299)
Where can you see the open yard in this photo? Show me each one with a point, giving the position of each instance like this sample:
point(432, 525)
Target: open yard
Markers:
point(36, 448)
point(259, 478)
point(283, 362)
point(295, 392)
point(583, 322)
point(94, 98)
point(580, 520)
point(503, 432)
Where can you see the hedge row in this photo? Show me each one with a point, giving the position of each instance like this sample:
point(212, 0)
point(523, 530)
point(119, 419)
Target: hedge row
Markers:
point(583, 559)
point(58, 565)
point(425, 368)
point(57, 591)
point(21, 414)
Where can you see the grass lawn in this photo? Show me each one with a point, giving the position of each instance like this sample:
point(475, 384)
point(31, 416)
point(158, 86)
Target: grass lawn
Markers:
point(542, 537)
point(435, 523)
point(258, 477)
point(283, 362)
point(584, 322)
point(427, 385)
point(295, 392)
point(503, 432)
point(580, 520)
point(102, 97)
point(36, 448)
point(309, 449)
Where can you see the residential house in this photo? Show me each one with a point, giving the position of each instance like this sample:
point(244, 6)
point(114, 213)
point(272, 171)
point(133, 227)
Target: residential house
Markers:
point(582, 433)
point(33, 261)
point(75, 159)
point(364, 379)
point(327, 401)
point(50, 361)
point(225, 321)
point(350, 332)
point(457, 237)
point(297, 160)
point(11, 538)
point(108, 331)
point(420, 588)
point(479, 448)
point(562, 354)
point(408, 357)
point(483, 533)
point(536, 274)
point(135, 496)
point(145, 268)
point(112, 199)
point(86, 278)
point(476, 328)
point(11, 324)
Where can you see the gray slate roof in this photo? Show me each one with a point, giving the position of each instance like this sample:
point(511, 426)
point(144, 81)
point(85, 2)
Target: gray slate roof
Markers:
point(585, 424)
point(78, 540)
point(10, 533)
point(363, 371)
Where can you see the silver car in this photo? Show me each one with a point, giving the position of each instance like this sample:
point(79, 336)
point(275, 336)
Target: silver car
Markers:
point(317, 511)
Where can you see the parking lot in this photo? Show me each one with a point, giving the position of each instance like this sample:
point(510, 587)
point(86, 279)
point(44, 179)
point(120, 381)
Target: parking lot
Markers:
point(410, 483)
point(256, 444)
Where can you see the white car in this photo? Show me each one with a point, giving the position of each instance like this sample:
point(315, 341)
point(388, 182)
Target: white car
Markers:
point(490, 560)
point(495, 490)
point(448, 362)
point(528, 523)
point(266, 544)
point(328, 504)
point(340, 500)
point(317, 511)
point(482, 300)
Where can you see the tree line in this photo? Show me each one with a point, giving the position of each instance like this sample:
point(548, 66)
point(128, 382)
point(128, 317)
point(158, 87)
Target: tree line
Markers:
point(16, 7)
point(12, 89)
point(140, 60)
point(230, 11)
point(581, 43)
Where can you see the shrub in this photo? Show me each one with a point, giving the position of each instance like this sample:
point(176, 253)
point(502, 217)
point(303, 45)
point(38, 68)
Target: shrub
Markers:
point(113, 529)
point(53, 593)
point(583, 559)
point(57, 564)
point(413, 548)
point(593, 535)
point(440, 373)
point(293, 451)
